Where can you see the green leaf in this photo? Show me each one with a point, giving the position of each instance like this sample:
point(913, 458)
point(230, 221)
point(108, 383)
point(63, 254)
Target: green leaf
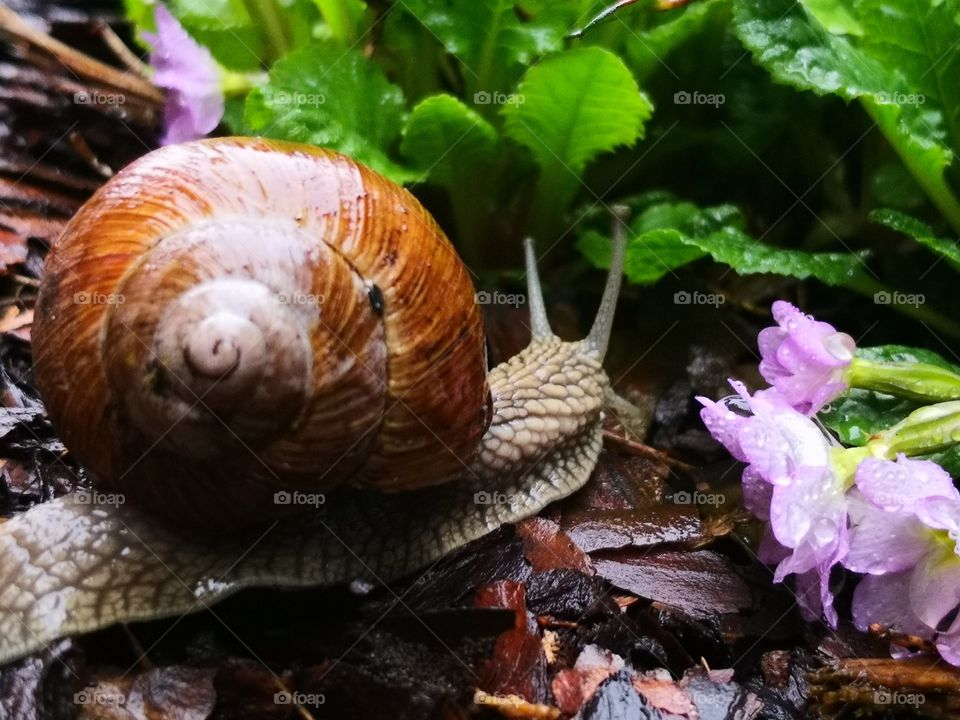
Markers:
point(447, 141)
point(836, 17)
point(648, 49)
point(668, 235)
point(893, 186)
point(488, 37)
point(798, 48)
point(342, 18)
point(948, 459)
point(570, 108)
point(858, 414)
point(918, 38)
point(140, 14)
point(905, 354)
point(746, 255)
point(649, 256)
point(919, 231)
point(332, 98)
point(226, 29)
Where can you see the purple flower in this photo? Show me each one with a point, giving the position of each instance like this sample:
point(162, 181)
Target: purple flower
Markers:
point(905, 526)
point(191, 77)
point(805, 360)
point(790, 482)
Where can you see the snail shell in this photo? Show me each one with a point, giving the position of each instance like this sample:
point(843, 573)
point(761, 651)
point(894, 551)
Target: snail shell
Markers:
point(228, 319)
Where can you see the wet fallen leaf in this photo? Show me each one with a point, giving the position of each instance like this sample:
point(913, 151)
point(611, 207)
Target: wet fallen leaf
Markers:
point(700, 583)
point(547, 547)
point(663, 693)
point(572, 687)
point(518, 665)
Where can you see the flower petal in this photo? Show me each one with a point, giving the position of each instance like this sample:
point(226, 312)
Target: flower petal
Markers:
point(770, 551)
point(810, 510)
point(757, 493)
point(948, 645)
point(776, 444)
point(886, 600)
point(902, 484)
point(804, 359)
point(723, 424)
point(935, 590)
point(191, 77)
point(883, 542)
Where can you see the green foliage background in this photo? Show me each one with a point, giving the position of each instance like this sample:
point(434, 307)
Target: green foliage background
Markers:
point(806, 138)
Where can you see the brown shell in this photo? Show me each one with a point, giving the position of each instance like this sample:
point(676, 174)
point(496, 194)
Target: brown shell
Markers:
point(400, 397)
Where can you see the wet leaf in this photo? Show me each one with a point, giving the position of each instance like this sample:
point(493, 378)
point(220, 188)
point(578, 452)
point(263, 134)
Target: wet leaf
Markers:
point(518, 665)
point(547, 547)
point(700, 583)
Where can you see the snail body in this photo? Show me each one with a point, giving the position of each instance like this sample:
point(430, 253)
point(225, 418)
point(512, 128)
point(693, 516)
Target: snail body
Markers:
point(274, 357)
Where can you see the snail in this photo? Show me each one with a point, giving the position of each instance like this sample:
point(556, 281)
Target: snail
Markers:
point(271, 362)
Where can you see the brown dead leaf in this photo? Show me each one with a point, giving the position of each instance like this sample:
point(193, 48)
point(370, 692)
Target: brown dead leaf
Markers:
point(625, 505)
point(547, 547)
point(699, 583)
point(518, 665)
point(662, 692)
point(574, 686)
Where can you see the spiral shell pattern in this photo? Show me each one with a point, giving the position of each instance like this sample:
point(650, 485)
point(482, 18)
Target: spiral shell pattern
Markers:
point(230, 319)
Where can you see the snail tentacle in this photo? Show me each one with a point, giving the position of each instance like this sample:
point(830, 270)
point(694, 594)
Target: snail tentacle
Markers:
point(599, 336)
point(539, 324)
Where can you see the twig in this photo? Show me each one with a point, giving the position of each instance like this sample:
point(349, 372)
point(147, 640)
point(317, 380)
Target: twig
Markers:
point(124, 54)
point(643, 450)
point(13, 25)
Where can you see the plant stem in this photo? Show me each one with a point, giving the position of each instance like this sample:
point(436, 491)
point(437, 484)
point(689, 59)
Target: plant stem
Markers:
point(270, 16)
point(238, 84)
point(935, 188)
point(555, 191)
point(917, 381)
point(342, 18)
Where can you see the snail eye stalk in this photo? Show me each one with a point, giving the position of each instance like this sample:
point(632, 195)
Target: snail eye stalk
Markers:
point(599, 336)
